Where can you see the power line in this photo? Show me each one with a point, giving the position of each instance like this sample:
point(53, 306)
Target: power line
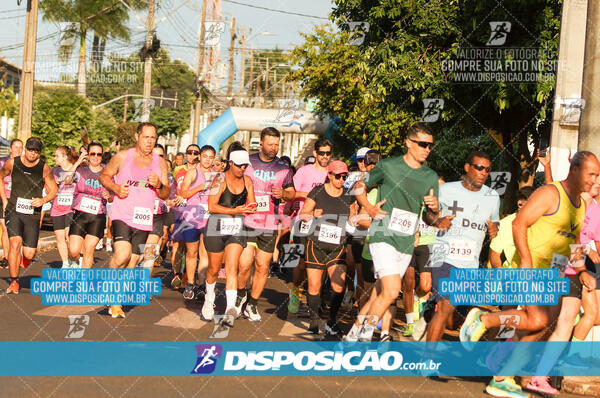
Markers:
point(274, 10)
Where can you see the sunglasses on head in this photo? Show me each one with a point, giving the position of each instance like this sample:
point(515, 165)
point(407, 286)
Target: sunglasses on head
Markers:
point(423, 144)
point(324, 153)
point(479, 167)
point(192, 152)
point(95, 154)
point(342, 176)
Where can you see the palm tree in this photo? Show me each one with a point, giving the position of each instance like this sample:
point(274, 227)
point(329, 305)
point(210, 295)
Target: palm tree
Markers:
point(105, 17)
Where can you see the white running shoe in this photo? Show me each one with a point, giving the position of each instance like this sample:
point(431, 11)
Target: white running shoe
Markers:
point(251, 312)
point(99, 246)
point(208, 309)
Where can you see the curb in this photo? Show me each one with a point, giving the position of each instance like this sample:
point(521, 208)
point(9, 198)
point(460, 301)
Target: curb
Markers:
point(581, 385)
point(44, 245)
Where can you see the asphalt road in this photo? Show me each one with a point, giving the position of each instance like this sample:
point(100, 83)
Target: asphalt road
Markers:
point(169, 318)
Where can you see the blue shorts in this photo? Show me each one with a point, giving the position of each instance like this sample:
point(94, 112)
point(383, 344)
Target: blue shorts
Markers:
point(191, 235)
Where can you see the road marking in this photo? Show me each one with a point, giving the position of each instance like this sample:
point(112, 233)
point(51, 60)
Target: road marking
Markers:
point(63, 311)
point(183, 318)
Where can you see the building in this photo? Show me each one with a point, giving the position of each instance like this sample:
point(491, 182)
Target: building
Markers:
point(10, 75)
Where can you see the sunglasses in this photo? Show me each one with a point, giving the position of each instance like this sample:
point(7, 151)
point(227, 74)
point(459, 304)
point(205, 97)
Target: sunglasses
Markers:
point(324, 153)
point(193, 152)
point(342, 176)
point(241, 166)
point(423, 144)
point(479, 167)
point(95, 154)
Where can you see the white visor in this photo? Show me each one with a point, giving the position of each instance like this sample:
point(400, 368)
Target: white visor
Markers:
point(239, 157)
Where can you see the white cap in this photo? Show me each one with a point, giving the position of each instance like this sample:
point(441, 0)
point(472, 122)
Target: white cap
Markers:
point(362, 152)
point(239, 157)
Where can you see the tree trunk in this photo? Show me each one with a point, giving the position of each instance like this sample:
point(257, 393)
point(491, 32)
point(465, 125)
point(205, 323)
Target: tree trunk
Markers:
point(95, 66)
point(81, 70)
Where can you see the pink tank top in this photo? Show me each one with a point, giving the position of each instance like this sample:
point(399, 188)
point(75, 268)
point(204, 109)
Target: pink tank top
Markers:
point(196, 209)
point(63, 200)
point(136, 210)
point(88, 192)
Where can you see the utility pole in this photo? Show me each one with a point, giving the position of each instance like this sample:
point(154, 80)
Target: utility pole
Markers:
point(243, 63)
point(231, 54)
point(267, 77)
point(589, 127)
point(148, 63)
point(251, 81)
point(26, 92)
point(200, 81)
point(125, 105)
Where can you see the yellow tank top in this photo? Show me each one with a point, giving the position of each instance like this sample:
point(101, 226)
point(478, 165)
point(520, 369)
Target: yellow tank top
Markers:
point(553, 233)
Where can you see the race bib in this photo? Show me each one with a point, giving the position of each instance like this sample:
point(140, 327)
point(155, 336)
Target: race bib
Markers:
point(156, 204)
point(142, 216)
point(231, 226)
point(461, 250)
point(305, 227)
point(330, 234)
point(350, 228)
point(203, 210)
point(403, 221)
point(8, 185)
point(90, 205)
point(64, 199)
point(262, 203)
point(559, 262)
point(24, 206)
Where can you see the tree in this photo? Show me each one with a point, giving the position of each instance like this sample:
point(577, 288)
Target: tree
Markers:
point(104, 17)
point(377, 88)
point(9, 104)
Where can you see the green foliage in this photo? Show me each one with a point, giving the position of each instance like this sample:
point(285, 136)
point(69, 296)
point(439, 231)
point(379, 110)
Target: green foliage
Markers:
point(9, 104)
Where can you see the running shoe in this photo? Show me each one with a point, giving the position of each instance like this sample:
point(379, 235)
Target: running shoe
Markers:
point(408, 331)
point(109, 247)
point(419, 329)
point(541, 385)
point(188, 293)
point(332, 328)
point(208, 308)
point(239, 303)
point(176, 281)
point(13, 288)
point(251, 312)
point(99, 245)
point(4, 263)
point(314, 326)
point(505, 388)
point(294, 303)
point(116, 311)
point(472, 329)
point(25, 262)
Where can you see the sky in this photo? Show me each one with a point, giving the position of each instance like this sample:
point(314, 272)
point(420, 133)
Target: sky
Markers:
point(177, 29)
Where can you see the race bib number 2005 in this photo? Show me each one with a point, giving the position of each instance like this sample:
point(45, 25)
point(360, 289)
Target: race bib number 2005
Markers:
point(142, 216)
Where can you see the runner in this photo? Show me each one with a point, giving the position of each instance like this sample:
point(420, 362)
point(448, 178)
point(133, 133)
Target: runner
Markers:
point(89, 205)
point(404, 183)
point(328, 207)
point(273, 184)
point(554, 207)
point(136, 176)
point(196, 189)
point(473, 208)
point(16, 149)
point(61, 212)
point(159, 212)
point(179, 160)
point(306, 178)
point(192, 154)
point(231, 197)
point(23, 210)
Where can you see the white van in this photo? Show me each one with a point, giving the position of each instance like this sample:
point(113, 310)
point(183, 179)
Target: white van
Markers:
point(254, 144)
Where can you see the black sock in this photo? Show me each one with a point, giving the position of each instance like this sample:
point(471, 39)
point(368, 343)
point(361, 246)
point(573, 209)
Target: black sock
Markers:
point(13, 279)
point(336, 302)
point(252, 300)
point(314, 302)
point(241, 293)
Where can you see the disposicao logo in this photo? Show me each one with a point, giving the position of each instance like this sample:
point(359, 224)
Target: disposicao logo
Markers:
point(207, 358)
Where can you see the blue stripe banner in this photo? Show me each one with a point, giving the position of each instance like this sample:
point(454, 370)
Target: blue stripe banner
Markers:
point(298, 359)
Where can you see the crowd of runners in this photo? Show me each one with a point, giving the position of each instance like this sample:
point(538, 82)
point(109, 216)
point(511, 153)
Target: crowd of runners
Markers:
point(366, 236)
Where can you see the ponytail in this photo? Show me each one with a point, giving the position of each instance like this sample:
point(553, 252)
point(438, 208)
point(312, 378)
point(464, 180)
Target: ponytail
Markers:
point(69, 152)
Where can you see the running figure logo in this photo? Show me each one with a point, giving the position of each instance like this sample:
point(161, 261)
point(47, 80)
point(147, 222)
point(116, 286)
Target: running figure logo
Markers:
point(432, 109)
point(508, 326)
point(207, 358)
point(500, 180)
point(77, 324)
point(500, 31)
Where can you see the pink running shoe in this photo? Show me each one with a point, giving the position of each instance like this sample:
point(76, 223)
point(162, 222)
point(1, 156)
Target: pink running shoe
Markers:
point(540, 384)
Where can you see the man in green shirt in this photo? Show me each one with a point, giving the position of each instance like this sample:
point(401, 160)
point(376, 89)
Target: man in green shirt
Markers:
point(405, 184)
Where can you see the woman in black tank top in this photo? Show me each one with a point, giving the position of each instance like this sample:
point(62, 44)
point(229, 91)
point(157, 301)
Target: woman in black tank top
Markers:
point(231, 197)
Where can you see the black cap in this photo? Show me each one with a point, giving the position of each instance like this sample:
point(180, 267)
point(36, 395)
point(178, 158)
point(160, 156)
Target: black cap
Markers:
point(34, 143)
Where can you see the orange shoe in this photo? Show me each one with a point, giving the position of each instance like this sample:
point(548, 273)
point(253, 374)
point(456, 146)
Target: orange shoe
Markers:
point(25, 262)
point(116, 311)
point(13, 288)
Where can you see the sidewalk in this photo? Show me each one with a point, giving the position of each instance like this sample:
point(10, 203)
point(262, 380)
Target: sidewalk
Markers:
point(46, 242)
point(589, 386)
